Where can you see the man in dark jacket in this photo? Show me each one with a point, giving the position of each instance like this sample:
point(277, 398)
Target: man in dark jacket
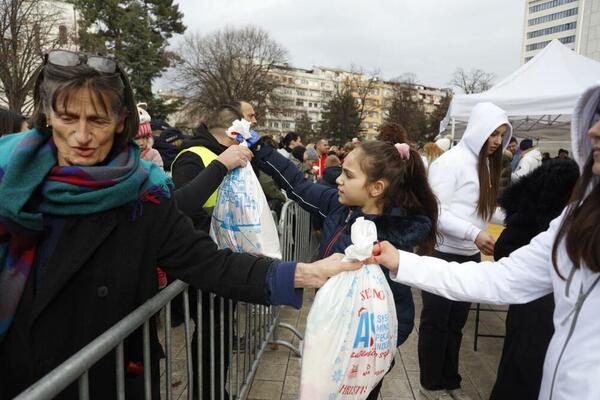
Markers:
point(530, 204)
point(209, 155)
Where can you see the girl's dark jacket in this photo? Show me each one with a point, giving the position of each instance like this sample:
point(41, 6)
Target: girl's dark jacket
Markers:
point(402, 230)
point(101, 269)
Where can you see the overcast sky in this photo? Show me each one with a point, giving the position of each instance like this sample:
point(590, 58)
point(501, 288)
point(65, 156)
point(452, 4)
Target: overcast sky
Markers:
point(430, 38)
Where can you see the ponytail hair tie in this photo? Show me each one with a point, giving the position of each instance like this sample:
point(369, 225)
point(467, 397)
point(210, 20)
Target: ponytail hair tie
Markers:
point(403, 150)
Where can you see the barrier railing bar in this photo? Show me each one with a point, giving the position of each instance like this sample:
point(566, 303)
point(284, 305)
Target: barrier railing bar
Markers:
point(147, 367)
point(168, 353)
point(199, 342)
point(120, 367)
point(84, 386)
point(66, 373)
point(188, 343)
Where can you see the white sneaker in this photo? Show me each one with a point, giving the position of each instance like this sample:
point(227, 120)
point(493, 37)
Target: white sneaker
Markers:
point(459, 394)
point(435, 394)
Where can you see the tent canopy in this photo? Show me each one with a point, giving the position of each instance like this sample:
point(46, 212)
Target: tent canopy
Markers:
point(539, 97)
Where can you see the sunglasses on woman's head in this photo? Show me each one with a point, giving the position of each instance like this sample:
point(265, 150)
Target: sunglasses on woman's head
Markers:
point(66, 58)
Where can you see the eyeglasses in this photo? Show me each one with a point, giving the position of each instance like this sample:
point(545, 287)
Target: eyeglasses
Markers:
point(66, 58)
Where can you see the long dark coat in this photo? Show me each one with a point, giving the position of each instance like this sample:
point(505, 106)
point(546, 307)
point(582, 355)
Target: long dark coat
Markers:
point(102, 268)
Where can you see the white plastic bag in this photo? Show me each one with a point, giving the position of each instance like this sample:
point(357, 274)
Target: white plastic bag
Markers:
point(351, 331)
point(241, 220)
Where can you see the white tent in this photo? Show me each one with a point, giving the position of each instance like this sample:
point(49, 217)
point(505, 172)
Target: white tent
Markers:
point(539, 97)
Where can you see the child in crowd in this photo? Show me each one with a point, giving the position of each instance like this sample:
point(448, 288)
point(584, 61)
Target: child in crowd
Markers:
point(144, 139)
point(380, 181)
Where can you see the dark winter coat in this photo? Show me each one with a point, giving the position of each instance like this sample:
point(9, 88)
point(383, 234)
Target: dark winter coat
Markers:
point(330, 175)
point(188, 166)
point(102, 268)
point(505, 171)
point(402, 230)
point(530, 204)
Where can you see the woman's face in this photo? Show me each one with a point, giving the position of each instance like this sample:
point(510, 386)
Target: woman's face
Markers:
point(594, 134)
point(83, 132)
point(495, 139)
point(142, 142)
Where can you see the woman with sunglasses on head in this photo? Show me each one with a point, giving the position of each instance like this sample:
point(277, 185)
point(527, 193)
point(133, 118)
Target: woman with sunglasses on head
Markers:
point(565, 259)
point(83, 224)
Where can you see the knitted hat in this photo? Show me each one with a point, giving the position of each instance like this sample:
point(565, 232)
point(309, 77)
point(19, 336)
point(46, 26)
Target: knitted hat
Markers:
point(144, 129)
point(312, 155)
point(298, 152)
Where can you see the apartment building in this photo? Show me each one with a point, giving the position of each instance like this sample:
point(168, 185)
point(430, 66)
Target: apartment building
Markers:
point(305, 91)
point(576, 23)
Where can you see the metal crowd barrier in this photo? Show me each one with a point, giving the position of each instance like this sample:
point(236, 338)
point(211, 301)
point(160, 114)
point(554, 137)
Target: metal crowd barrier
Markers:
point(255, 329)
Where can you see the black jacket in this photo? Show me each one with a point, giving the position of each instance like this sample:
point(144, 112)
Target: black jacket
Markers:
point(533, 202)
point(103, 267)
point(189, 167)
point(402, 230)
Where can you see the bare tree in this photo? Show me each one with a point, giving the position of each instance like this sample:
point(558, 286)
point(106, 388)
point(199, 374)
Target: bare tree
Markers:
point(230, 64)
point(27, 29)
point(475, 81)
point(362, 85)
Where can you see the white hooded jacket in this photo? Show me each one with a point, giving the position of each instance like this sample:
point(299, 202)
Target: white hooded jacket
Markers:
point(453, 178)
point(572, 363)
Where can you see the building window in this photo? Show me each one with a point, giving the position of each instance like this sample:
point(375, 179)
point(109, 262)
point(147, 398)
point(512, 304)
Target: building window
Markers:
point(299, 103)
point(275, 124)
point(541, 45)
point(62, 34)
point(553, 17)
point(285, 125)
point(552, 29)
point(549, 4)
point(300, 92)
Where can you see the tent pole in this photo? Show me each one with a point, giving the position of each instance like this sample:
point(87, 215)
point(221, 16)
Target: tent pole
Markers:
point(453, 122)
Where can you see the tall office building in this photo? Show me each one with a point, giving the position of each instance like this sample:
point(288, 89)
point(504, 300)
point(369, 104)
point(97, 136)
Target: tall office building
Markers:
point(576, 23)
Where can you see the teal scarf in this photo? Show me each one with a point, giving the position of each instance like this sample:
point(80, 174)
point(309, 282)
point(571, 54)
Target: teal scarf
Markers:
point(32, 184)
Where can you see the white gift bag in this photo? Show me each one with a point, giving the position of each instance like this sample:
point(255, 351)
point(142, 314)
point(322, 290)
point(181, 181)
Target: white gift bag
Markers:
point(351, 331)
point(241, 220)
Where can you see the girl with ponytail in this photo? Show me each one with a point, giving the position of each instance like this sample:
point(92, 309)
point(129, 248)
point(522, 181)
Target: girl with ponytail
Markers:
point(380, 181)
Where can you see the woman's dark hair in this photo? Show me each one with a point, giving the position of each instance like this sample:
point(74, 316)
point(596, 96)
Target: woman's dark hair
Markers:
point(407, 184)
point(488, 171)
point(287, 139)
point(579, 228)
point(392, 132)
point(111, 92)
point(10, 121)
point(298, 153)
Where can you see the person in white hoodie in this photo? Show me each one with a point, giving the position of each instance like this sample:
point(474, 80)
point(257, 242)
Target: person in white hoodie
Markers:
point(530, 159)
point(466, 181)
point(565, 260)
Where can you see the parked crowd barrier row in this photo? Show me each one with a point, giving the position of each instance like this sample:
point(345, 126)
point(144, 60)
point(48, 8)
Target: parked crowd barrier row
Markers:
point(252, 328)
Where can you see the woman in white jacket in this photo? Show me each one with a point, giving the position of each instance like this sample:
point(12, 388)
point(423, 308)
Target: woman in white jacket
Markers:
point(466, 180)
point(565, 260)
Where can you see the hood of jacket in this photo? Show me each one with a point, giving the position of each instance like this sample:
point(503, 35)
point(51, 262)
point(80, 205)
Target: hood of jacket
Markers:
point(582, 119)
point(485, 118)
point(203, 137)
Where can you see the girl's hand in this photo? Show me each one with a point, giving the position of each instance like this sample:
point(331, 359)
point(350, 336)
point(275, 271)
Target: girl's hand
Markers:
point(485, 242)
point(384, 253)
point(314, 275)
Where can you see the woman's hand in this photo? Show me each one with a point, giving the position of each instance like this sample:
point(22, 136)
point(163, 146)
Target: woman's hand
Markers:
point(485, 242)
point(235, 156)
point(314, 275)
point(384, 253)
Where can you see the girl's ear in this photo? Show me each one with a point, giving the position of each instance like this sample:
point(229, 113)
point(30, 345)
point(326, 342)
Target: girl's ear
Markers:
point(377, 188)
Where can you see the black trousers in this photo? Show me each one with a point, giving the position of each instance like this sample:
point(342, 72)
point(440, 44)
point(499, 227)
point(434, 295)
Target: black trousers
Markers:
point(207, 384)
point(529, 329)
point(440, 335)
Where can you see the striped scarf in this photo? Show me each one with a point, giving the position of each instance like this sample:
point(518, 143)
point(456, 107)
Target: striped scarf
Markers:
point(32, 184)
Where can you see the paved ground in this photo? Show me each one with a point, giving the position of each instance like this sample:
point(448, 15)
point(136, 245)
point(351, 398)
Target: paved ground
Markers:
point(279, 373)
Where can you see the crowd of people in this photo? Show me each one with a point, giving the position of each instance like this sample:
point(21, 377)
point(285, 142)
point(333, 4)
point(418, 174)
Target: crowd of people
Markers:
point(96, 194)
